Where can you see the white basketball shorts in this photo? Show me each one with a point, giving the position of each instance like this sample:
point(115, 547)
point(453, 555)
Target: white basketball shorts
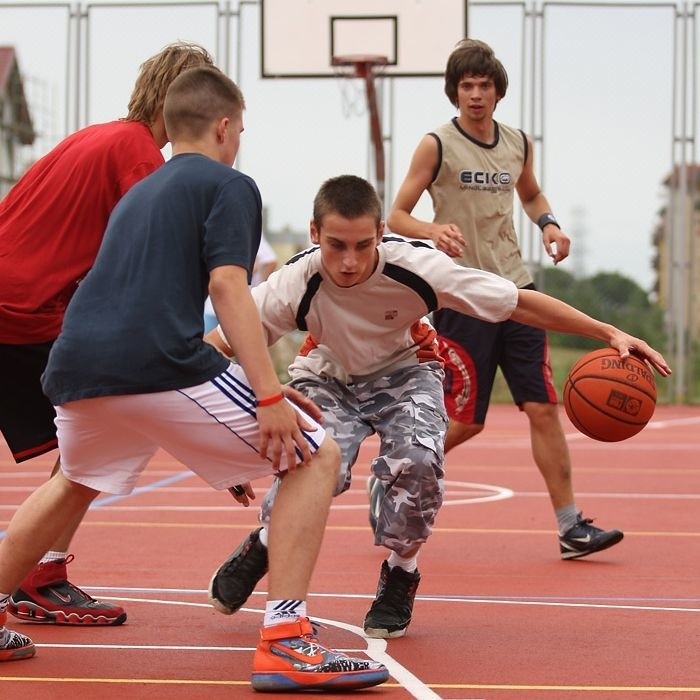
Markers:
point(106, 442)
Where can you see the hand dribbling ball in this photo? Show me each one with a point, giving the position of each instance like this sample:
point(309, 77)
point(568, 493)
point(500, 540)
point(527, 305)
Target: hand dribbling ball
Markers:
point(608, 398)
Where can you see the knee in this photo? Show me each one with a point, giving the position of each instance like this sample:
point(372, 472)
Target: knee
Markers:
point(328, 459)
point(72, 492)
point(541, 413)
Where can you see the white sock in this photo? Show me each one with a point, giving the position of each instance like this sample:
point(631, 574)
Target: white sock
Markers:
point(567, 517)
point(53, 556)
point(277, 612)
point(263, 536)
point(409, 564)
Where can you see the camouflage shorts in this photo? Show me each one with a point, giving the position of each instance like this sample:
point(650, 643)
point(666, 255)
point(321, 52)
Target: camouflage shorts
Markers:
point(406, 409)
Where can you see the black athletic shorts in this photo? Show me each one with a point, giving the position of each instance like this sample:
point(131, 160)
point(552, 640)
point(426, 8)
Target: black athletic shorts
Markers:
point(473, 349)
point(26, 415)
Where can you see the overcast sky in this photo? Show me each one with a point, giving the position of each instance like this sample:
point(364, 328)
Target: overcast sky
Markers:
point(607, 122)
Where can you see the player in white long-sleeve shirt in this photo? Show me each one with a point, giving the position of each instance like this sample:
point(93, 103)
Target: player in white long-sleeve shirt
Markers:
point(370, 362)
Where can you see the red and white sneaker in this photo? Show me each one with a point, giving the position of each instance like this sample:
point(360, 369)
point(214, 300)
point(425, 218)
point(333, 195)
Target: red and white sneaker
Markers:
point(13, 645)
point(47, 596)
point(289, 657)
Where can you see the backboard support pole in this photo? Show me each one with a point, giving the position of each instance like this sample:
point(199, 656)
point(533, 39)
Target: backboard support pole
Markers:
point(365, 67)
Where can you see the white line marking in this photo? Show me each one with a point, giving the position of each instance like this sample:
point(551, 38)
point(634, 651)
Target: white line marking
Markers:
point(375, 647)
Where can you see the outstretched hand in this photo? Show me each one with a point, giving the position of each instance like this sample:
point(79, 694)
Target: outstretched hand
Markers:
point(628, 345)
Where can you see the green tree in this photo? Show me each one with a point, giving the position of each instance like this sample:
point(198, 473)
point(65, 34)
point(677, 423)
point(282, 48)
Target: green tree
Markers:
point(610, 297)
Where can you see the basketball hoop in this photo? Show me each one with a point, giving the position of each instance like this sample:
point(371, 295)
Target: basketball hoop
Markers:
point(363, 64)
point(366, 66)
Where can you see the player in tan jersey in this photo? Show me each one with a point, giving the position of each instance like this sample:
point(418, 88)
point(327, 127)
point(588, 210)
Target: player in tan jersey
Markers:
point(472, 167)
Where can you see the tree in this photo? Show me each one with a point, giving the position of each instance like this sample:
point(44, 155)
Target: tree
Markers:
point(610, 297)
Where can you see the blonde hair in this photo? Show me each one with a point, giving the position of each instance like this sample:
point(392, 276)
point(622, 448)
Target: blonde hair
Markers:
point(197, 97)
point(157, 73)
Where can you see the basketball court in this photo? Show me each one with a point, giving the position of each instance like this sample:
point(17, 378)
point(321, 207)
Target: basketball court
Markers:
point(498, 615)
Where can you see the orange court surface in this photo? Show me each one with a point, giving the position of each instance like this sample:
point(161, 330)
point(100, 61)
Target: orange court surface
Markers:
point(498, 616)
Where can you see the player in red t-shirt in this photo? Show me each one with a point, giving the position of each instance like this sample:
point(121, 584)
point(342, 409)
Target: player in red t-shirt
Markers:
point(51, 226)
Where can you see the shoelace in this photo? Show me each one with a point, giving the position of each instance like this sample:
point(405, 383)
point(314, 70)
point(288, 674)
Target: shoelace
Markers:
point(397, 589)
point(251, 560)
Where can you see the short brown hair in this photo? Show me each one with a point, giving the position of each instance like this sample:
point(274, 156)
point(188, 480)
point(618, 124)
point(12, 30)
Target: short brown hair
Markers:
point(197, 97)
point(349, 196)
point(157, 73)
point(473, 57)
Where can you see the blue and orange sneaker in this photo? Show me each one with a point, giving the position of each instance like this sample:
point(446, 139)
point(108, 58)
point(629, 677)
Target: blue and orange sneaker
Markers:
point(13, 645)
point(289, 657)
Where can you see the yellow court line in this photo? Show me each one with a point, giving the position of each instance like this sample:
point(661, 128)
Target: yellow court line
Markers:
point(363, 528)
point(569, 688)
point(147, 681)
point(433, 686)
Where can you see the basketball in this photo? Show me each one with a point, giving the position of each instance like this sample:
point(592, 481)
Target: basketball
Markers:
point(608, 398)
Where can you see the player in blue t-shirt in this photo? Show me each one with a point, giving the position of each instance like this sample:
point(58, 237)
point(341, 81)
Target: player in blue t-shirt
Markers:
point(130, 373)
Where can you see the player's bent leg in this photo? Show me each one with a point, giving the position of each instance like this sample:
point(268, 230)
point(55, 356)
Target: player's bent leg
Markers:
point(550, 451)
point(551, 454)
point(235, 580)
point(405, 517)
point(289, 656)
point(298, 521)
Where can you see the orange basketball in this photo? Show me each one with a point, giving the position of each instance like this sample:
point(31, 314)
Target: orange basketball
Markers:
point(608, 398)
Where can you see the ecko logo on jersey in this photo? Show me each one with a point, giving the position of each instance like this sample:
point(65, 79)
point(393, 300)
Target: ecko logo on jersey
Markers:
point(480, 177)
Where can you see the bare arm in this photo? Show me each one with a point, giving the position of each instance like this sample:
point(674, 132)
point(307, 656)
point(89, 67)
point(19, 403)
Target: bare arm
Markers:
point(305, 404)
point(239, 319)
point(535, 204)
point(446, 237)
point(543, 311)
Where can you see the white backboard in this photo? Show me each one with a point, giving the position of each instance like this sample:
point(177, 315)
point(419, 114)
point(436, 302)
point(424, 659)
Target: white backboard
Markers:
point(300, 37)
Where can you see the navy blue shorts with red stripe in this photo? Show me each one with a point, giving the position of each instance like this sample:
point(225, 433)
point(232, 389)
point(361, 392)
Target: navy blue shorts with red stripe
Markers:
point(473, 350)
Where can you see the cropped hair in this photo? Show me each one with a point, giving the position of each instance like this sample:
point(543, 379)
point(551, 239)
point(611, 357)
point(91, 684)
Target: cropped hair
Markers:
point(157, 73)
point(473, 57)
point(349, 196)
point(197, 97)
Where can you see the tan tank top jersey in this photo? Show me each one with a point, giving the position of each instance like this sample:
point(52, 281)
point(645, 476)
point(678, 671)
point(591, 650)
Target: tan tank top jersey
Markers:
point(474, 187)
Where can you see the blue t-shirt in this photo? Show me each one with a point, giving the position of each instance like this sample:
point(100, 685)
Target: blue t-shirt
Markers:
point(135, 323)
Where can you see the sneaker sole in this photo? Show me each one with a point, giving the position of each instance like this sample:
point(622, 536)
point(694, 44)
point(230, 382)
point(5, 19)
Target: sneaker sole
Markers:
point(606, 545)
point(30, 612)
point(217, 604)
point(17, 654)
point(377, 633)
point(277, 681)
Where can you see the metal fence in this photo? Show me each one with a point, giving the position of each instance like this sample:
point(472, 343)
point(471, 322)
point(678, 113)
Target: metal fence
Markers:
point(607, 90)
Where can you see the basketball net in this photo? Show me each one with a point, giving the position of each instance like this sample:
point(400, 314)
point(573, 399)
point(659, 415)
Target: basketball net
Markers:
point(353, 92)
point(366, 67)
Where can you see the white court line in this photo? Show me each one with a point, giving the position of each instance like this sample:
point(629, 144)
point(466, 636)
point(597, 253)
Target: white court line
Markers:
point(376, 648)
point(427, 598)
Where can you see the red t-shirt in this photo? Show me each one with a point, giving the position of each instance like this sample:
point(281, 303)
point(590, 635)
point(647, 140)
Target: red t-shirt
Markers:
point(52, 222)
